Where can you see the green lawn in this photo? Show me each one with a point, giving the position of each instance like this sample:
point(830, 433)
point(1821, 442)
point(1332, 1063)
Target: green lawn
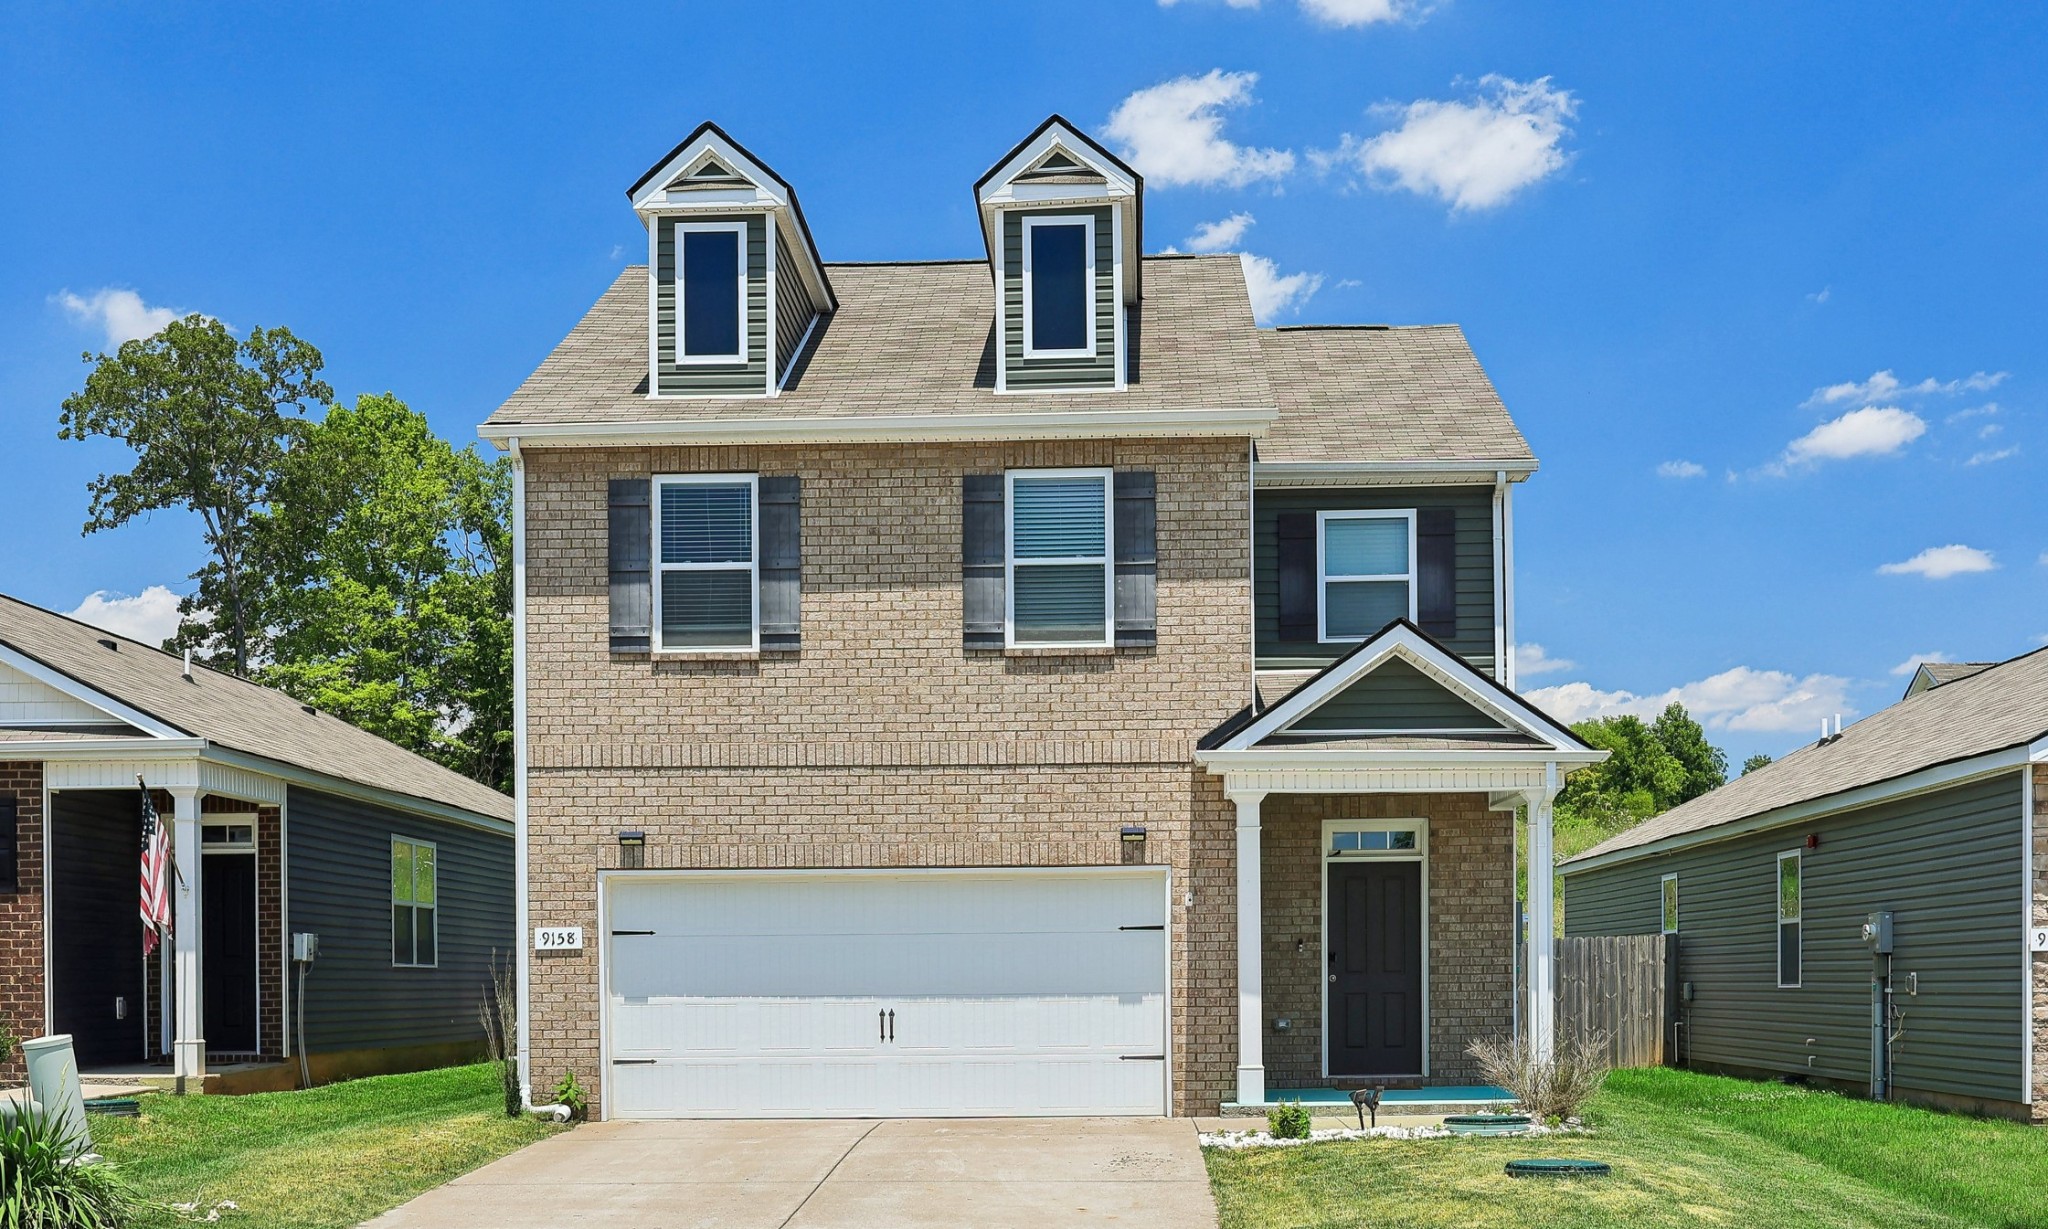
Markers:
point(333, 1156)
point(1686, 1149)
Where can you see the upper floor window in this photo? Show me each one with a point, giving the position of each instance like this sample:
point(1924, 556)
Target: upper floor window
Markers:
point(1059, 287)
point(711, 292)
point(705, 549)
point(415, 891)
point(1365, 565)
point(1059, 557)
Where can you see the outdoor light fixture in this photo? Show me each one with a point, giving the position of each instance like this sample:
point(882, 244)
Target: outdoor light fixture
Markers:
point(1133, 844)
point(1134, 832)
point(632, 848)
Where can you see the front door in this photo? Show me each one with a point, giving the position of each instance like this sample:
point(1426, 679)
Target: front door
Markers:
point(228, 921)
point(1373, 1021)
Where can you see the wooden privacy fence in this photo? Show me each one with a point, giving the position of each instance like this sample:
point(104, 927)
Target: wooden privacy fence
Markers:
point(1615, 987)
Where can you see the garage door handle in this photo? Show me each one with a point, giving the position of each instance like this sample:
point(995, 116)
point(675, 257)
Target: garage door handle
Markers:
point(1158, 927)
point(881, 1025)
point(632, 932)
point(634, 1062)
point(892, 1024)
point(1143, 1058)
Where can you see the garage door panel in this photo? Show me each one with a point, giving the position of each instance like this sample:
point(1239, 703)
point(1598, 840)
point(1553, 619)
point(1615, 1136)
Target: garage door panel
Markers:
point(874, 904)
point(1044, 961)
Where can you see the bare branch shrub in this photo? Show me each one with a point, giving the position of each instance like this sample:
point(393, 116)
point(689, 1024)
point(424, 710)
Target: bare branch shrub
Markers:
point(1547, 1088)
point(499, 1012)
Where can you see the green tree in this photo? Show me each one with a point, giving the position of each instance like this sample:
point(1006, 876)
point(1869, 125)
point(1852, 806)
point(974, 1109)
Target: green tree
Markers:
point(210, 420)
point(1705, 765)
point(390, 601)
point(1755, 762)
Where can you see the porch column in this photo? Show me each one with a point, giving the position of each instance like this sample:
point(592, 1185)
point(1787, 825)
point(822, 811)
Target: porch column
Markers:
point(1541, 1010)
point(188, 1048)
point(1251, 1009)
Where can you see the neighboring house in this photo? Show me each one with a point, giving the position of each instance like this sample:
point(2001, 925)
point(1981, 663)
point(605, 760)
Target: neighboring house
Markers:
point(1924, 812)
point(1014, 685)
point(286, 820)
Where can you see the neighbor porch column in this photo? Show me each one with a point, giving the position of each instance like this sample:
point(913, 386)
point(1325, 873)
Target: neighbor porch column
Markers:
point(1251, 1011)
point(1541, 1010)
point(188, 1047)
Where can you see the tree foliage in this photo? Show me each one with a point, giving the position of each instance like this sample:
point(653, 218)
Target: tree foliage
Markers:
point(1651, 767)
point(1755, 762)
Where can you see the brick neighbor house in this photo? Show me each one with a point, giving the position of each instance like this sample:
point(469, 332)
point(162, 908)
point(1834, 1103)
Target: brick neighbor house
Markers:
point(1012, 685)
point(285, 821)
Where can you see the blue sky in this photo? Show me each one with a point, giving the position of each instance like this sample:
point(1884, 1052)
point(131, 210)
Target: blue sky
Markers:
point(1790, 256)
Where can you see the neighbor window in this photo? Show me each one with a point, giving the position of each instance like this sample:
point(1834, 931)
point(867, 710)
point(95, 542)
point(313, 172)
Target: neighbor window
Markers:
point(413, 895)
point(1670, 904)
point(1059, 573)
point(1789, 905)
point(711, 307)
point(705, 596)
point(1059, 285)
point(1365, 563)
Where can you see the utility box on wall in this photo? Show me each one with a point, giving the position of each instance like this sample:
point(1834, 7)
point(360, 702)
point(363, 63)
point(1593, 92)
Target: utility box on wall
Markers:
point(1877, 932)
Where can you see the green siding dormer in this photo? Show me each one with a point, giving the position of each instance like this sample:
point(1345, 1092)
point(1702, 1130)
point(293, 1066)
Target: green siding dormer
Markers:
point(737, 379)
point(1097, 370)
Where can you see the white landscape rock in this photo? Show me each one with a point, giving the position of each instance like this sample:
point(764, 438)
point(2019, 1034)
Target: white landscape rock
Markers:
point(1262, 1139)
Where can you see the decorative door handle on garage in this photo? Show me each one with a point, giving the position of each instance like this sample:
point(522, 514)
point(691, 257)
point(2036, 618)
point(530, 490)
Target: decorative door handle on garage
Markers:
point(885, 1025)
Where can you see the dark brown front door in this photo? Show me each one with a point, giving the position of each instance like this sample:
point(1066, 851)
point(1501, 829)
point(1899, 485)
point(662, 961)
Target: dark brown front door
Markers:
point(1374, 1024)
point(228, 918)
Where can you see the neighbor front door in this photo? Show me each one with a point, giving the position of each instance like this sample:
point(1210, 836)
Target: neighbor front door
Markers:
point(228, 920)
point(1373, 1015)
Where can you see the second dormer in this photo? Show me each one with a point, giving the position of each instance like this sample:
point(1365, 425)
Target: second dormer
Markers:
point(735, 287)
point(1061, 219)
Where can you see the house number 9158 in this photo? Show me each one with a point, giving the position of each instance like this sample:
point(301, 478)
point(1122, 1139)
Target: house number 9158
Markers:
point(558, 939)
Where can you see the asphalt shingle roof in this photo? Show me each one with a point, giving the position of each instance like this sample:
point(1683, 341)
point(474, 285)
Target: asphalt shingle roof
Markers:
point(1996, 709)
point(233, 712)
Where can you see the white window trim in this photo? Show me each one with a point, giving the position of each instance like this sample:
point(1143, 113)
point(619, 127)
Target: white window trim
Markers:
point(1667, 905)
point(435, 908)
point(1420, 827)
point(1781, 921)
point(1324, 579)
point(1107, 559)
point(752, 566)
point(682, 357)
point(1087, 221)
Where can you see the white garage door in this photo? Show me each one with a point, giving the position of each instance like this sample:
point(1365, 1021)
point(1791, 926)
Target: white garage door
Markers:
point(911, 993)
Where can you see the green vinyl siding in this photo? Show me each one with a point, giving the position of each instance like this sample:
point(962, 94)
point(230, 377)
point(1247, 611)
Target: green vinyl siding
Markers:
point(1473, 506)
point(1395, 696)
point(1947, 863)
point(1098, 371)
point(792, 306)
point(718, 379)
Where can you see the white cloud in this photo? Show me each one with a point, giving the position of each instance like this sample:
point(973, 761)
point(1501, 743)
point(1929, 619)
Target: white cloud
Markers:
point(1822, 295)
point(1532, 660)
point(1220, 236)
point(150, 616)
point(1474, 153)
point(1987, 410)
point(1357, 13)
point(121, 313)
point(1173, 133)
point(1942, 562)
point(1884, 386)
point(1990, 456)
point(1681, 469)
point(1868, 432)
point(1747, 699)
point(1272, 294)
point(1917, 660)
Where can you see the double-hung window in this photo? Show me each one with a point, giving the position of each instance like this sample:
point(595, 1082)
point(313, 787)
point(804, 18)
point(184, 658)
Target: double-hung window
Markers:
point(1365, 565)
point(711, 292)
point(1790, 896)
point(706, 548)
point(1059, 287)
point(1059, 579)
point(414, 893)
point(1670, 891)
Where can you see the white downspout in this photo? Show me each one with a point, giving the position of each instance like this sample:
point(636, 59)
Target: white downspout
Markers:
point(519, 876)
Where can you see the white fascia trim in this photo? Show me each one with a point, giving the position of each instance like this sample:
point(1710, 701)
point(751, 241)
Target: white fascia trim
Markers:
point(653, 195)
point(1926, 780)
point(1384, 473)
point(886, 428)
point(180, 748)
point(87, 695)
point(1001, 189)
point(1267, 759)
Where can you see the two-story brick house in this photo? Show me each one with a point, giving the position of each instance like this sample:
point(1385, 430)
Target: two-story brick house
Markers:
point(1018, 684)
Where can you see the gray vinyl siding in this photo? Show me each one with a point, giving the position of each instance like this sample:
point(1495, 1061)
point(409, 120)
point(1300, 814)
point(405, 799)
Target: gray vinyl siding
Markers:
point(339, 853)
point(1396, 696)
point(792, 305)
point(1047, 373)
point(1947, 863)
point(719, 379)
point(1473, 506)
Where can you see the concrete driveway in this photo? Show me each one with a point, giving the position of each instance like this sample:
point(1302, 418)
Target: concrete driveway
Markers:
point(1037, 1173)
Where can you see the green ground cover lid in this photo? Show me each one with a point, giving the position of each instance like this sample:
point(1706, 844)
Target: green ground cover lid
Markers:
point(1557, 1167)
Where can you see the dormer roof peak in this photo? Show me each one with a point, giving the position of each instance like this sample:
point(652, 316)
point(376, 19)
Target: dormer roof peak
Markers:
point(1059, 164)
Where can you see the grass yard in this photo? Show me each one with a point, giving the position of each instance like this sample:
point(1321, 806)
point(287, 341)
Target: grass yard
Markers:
point(1687, 1150)
point(332, 1156)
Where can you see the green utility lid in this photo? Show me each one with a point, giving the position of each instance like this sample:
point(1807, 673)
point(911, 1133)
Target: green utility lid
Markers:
point(1557, 1167)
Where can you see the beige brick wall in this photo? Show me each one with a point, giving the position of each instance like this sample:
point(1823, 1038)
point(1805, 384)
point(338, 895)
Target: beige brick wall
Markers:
point(883, 742)
point(2040, 1037)
point(1471, 965)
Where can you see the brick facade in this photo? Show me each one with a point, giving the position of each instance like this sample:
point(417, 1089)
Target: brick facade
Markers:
point(2040, 918)
point(21, 918)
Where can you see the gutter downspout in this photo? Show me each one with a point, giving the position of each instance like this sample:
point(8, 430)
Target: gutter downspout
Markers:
point(519, 761)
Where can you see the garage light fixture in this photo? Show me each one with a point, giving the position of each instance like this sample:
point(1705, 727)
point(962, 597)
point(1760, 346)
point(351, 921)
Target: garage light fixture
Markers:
point(1134, 832)
point(632, 848)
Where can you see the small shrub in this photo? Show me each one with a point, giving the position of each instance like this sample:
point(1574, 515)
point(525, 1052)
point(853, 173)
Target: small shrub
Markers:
point(42, 1185)
point(1288, 1120)
point(571, 1094)
point(1549, 1088)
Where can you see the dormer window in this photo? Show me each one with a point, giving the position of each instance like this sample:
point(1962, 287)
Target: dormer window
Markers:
point(712, 280)
point(1059, 287)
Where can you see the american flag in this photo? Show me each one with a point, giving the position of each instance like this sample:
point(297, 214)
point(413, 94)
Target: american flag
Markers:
point(156, 873)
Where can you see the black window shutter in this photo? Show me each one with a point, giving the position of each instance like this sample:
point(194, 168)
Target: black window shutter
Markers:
point(632, 582)
point(982, 598)
point(1295, 559)
point(1137, 559)
point(10, 847)
point(1436, 571)
point(781, 561)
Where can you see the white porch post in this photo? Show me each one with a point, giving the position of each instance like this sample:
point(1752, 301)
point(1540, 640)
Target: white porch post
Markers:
point(188, 1053)
point(1251, 1010)
point(1541, 1012)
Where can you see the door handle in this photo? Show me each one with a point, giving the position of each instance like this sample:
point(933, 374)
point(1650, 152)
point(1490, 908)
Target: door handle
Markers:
point(892, 1024)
